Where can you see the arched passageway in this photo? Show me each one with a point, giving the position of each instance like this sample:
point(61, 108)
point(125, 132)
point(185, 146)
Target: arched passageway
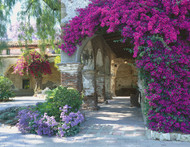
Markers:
point(126, 80)
point(101, 68)
point(106, 76)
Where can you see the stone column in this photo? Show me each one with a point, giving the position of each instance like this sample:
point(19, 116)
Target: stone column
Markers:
point(100, 87)
point(89, 89)
point(71, 75)
point(113, 77)
point(108, 94)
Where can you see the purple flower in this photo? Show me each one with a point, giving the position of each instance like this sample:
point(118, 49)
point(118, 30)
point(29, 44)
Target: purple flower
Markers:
point(69, 121)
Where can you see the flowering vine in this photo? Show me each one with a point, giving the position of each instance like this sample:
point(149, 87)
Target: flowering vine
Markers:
point(160, 32)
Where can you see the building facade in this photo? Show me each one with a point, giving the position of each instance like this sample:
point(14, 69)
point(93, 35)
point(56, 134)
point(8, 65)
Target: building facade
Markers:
point(24, 85)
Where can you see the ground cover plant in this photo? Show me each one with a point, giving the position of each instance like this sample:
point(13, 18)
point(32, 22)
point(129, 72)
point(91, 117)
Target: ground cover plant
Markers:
point(160, 32)
point(5, 89)
point(59, 117)
point(8, 116)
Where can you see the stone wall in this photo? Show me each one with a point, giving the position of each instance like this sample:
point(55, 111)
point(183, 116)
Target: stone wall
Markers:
point(107, 78)
point(71, 75)
point(91, 74)
point(18, 83)
point(52, 80)
point(88, 76)
point(167, 136)
point(124, 77)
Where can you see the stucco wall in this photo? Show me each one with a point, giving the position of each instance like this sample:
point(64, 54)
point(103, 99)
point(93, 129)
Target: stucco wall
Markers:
point(7, 61)
point(69, 8)
point(48, 80)
point(126, 77)
point(52, 80)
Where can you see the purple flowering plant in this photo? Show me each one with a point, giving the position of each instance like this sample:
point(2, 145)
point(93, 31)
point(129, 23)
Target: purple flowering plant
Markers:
point(32, 121)
point(26, 118)
point(160, 32)
point(70, 122)
point(45, 125)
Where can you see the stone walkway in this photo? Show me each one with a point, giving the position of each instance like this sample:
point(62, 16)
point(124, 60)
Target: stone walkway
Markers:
point(20, 101)
point(115, 125)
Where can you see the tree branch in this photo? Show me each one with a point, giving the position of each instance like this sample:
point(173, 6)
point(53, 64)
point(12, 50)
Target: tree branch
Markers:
point(53, 4)
point(29, 6)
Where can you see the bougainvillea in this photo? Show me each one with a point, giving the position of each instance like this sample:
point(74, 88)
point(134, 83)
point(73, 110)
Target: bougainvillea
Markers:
point(35, 64)
point(32, 63)
point(160, 32)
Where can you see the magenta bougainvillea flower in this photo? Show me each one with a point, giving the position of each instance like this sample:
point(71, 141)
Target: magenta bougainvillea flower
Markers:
point(160, 31)
point(33, 63)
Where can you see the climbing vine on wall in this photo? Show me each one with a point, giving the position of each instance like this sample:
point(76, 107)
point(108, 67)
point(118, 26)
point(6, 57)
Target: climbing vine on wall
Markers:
point(160, 31)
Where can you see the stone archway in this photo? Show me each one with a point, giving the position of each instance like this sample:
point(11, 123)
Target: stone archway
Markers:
point(95, 60)
point(24, 85)
point(91, 68)
point(94, 69)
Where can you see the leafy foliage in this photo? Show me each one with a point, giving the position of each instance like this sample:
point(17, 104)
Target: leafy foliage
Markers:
point(5, 88)
point(46, 13)
point(5, 10)
point(59, 97)
point(160, 33)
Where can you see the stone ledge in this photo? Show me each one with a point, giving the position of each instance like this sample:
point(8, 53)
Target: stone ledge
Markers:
point(167, 136)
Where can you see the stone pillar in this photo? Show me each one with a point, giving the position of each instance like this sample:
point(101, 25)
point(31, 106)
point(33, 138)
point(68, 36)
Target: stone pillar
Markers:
point(100, 87)
point(71, 75)
point(108, 94)
point(89, 89)
point(113, 77)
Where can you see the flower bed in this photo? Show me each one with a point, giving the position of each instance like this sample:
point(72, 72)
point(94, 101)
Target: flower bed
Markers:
point(59, 115)
point(31, 121)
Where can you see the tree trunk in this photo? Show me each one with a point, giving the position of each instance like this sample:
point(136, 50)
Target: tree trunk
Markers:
point(38, 84)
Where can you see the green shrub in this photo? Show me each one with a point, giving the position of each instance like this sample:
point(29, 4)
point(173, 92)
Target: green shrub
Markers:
point(60, 97)
point(5, 88)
